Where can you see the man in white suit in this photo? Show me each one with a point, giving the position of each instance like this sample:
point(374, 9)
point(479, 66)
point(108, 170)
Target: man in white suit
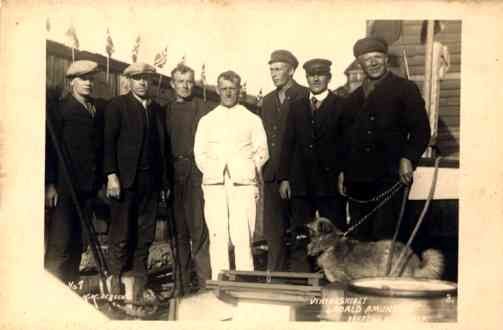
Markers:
point(230, 149)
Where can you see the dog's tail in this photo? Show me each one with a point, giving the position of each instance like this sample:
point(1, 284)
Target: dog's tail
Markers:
point(432, 265)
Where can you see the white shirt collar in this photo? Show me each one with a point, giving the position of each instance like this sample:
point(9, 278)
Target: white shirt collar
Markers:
point(224, 108)
point(144, 102)
point(320, 97)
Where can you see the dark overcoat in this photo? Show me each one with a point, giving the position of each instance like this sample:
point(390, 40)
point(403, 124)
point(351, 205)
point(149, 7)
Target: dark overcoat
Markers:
point(389, 124)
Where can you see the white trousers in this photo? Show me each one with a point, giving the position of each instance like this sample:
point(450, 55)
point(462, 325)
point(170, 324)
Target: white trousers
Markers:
point(230, 211)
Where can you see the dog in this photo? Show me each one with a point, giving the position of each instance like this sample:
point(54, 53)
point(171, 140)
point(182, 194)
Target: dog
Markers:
point(343, 259)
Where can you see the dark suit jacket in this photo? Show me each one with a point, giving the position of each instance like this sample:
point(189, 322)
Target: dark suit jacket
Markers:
point(274, 116)
point(184, 166)
point(80, 137)
point(124, 133)
point(310, 160)
point(391, 123)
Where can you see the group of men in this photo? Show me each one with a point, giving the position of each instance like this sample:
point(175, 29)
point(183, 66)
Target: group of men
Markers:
point(308, 147)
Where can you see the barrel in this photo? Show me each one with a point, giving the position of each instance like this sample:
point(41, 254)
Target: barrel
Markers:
point(389, 298)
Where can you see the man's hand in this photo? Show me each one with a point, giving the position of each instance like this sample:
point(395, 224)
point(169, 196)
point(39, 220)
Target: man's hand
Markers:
point(405, 171)
point(284, 190)
point(51, 195)
point(340, 184)
point(113, 186)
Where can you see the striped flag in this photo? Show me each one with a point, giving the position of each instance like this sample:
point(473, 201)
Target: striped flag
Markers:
point(161, 58)
point(71, 34)
point(136, 49)
point(109, 44)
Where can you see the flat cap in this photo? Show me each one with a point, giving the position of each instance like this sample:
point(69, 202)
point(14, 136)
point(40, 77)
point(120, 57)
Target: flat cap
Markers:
point(80, 68)
point(282, 55)
point(369, 44)
point(138, 68)
point(317, 66)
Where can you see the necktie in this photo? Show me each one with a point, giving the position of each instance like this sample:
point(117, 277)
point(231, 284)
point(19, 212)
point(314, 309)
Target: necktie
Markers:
point(91, 109)
point(315, 103)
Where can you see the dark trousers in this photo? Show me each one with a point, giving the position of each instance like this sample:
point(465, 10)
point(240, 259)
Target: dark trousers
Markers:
point(191, 233)
point(380, 225)
point(275, 224)
point(303, 212)
point(132, 226)
point(65, 237)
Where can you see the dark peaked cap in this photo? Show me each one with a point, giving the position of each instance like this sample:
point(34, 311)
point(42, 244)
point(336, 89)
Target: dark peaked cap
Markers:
point(282, 55)
point(317, 66)
point(80, 68)
point(369, 44)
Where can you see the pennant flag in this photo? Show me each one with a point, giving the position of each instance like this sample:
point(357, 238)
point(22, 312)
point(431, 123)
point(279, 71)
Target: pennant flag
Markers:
point(71, 34)
point(161, 58)
point(109, 44)
point(136, 49)
point(48, 25)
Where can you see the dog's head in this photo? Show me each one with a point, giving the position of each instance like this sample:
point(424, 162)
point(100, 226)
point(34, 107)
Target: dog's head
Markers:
point(323, 235)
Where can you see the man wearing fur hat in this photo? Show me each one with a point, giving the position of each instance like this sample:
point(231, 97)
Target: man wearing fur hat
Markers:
point(274, 112)
point(135, 166)
point(78, 125)
point(387, 134)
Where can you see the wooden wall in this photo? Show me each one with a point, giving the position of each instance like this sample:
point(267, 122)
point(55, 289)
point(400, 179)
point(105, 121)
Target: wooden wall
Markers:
point(450, 87)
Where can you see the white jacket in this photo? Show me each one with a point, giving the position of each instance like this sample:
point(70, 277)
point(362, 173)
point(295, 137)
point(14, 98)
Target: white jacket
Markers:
point(234, 138)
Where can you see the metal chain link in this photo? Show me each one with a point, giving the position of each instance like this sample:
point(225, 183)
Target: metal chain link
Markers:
point(395, 189)
point(377, 198)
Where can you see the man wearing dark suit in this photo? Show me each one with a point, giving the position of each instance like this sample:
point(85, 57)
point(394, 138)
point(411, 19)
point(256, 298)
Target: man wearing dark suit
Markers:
point(78, 125)
point(135, 165)
point(387, 133)
point(274, 112)
point(182, 117)
point(310, 161)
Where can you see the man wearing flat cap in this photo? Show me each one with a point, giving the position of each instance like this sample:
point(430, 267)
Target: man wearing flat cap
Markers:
point(274, 112)
point(78, 125)
point(310, 163)
point(135, 166)
point(387, 134)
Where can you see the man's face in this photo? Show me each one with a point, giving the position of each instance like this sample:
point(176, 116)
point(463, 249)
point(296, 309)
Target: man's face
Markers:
point(83, 85)
point(317, 82)
point(183, 83)
point(229, 92)
point(281, 73)
point(374, 64)
point(140, 84)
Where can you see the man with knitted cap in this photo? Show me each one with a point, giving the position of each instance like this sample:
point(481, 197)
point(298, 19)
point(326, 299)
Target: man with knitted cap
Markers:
point(274, 112)
point(77, 122)
point(387, 134)
point(310, 162)
point(135, 166)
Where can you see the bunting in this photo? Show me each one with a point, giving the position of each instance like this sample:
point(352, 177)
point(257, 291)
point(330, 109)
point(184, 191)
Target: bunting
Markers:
point(73, 40)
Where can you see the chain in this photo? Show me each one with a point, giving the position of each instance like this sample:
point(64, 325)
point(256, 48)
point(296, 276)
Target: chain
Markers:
point(377, 198)
point(393, 191)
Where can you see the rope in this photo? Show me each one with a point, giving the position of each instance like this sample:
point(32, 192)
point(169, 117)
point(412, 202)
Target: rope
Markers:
point(397, 229)
point(420, 220)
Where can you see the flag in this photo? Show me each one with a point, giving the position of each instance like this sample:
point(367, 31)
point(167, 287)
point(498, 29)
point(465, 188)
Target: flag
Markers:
point(48, 25)
point(109, 44)
point(71, 34)
point(260, 96)
point(161, 58)
point(182, 61)
point(203, 74)
point(136, 49)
